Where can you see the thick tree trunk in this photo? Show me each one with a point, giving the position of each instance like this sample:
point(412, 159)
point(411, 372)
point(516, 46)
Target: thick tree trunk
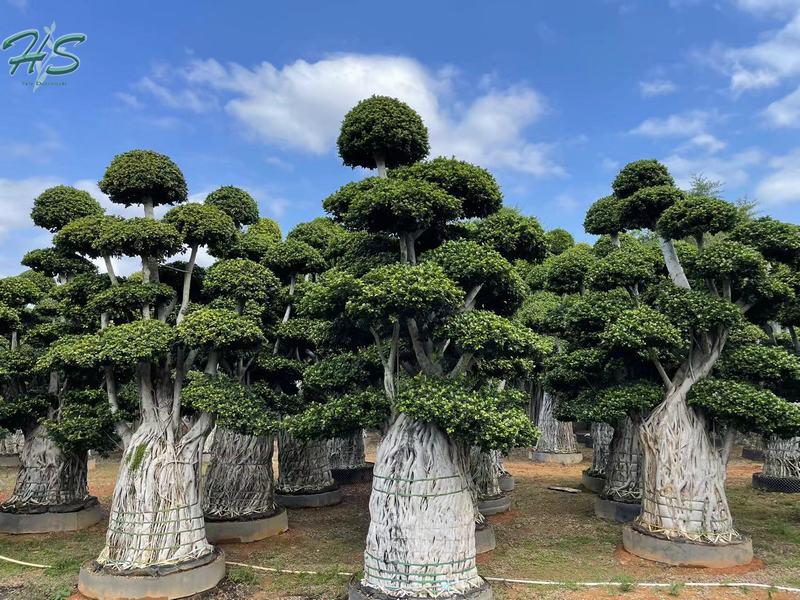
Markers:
point(12, 443)
point(782, 457)
point(684, 475)
point(239, 482)
point(485, 471)
point(623, 470)
point(47, 476)
point(156, 518)
point(555, 436)
point(304, 467)
point(347, 452)
point(602, 434)
point(421, 539)
point(497, 457)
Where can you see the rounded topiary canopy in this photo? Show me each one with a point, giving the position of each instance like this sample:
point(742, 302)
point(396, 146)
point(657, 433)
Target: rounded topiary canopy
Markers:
point(775, 240)
point(696, 215)
point(513, 235)
point(81, 236)
point(318, 233)
point(201, 224)
point(219, 328)
point(57, 206)
point(474, 186)
point(603, 217)
point(139, 237)
point(240, 279)
point(643, 208)
point(140, 175)
point(640, 174)
point(236, 203)
point(384, 128)
point(293, 257)
point(52, 262)
point(558, 240)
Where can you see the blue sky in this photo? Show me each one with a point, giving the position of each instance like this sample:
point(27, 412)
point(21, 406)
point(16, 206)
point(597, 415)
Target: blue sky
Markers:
point(552, 97)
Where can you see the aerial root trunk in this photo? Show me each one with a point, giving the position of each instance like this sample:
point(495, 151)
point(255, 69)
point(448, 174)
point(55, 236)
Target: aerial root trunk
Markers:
point(239, 482)
point(47, 477)
point(782, 457)
point(485, 470)
point(12, 443)
point(347, 452)
point(623, 470)
point(684, 476)
point(156, 518)
point(602, 434)
point(421, 539)
point(555, 436)
point(303, 466)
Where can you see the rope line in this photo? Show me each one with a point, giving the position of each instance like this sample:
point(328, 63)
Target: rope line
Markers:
point(542, 582)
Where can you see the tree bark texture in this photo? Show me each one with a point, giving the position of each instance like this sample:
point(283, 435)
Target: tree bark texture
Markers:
point(555, 436)
point(47, 477)
point(623, 470)
point(782, 457)
point(602, 434)
point(347, 452)
point(304, 467)
point(421, 539)
point(239, 483)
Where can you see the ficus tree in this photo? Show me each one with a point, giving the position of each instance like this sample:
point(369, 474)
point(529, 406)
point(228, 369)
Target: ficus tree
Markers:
point(714, 274)
point(168, 329)
point(60, 411)
point(434, 315)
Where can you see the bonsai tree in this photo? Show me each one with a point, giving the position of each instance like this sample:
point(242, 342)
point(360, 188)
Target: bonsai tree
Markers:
point(680, 324)
point(564, 275)
point(155, 328)
point(434, 317)
point(59, 411)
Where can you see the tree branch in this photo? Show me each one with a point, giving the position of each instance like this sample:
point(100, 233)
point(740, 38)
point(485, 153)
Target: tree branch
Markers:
point(110, 269)
point(673, 263)
point(462, 365)
point(660, 368)
point(428, 366)
point(187, 284)
point(469, 301)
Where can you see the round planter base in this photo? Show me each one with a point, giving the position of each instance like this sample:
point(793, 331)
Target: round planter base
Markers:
point(621, 512)
point(686, 554)
point(50, 522)
point(494, 506)
point(787, 485)
point(484, 539)
point(756, 454)
point(319, 500)
point(592, 482)
point(9, 460)
point(560, 458)
point(96, 583)
point(357, 591)
point(356, 475)
point(242, 532)
point(507, 482)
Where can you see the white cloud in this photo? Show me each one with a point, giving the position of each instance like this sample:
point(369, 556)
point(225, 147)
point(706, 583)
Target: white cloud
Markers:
point(44, 143)
point(567, 203)
point(768, 7)
point(678, 125)
point(193, 100)
point(785, 112)
point(782, 185)
point(708, 142)
point(16, 201)
point(609, 164)
point(732, 171)
point(129, 100)
point(301, 106)
point(657, 87)
point(768, 62)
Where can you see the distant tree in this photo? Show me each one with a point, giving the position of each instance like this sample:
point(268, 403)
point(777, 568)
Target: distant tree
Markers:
point(59, 409)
